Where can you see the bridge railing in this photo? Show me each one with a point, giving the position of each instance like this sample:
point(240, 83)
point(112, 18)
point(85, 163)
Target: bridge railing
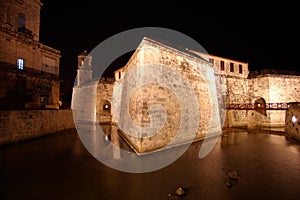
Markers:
point(257, 106)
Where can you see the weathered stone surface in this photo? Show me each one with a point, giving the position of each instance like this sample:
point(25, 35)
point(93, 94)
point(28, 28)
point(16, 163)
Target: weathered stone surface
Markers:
point(158, 74)
point(19, 125)
point(292, 121)
point(273, 89)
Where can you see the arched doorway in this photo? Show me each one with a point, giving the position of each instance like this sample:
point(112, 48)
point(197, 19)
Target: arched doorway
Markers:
point(104, 117)
point(260, 106)
point(104, 111)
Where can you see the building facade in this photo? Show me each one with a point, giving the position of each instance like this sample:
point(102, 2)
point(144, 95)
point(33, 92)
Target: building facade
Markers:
point(29, 70)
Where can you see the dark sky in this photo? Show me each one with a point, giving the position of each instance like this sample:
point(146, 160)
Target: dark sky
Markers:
point(264, 35)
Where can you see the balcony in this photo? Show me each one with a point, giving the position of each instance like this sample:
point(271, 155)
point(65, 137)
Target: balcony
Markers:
point(28, 71)
point(25, 32)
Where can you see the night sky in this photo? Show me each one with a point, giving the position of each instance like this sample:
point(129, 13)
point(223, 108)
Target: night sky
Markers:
point(264, 35)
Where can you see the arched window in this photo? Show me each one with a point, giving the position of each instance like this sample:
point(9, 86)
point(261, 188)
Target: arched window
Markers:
point(21, 22)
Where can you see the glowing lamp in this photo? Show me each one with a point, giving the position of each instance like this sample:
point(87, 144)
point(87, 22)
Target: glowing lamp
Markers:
point(294, 119)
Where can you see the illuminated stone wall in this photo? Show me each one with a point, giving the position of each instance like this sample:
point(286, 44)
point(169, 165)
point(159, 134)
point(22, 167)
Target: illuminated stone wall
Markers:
point(19, 125)
point(199, 76)
point(292, 120)
point(226, 67)
point(283, 89)
point(84, 102)
point(237, 93)
point(259, 87)
point(273, 89)
point(90, 101)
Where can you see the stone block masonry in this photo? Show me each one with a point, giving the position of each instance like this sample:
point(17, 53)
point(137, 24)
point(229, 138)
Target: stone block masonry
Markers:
point(20, 125)
point(182, 84)
point(292, 121)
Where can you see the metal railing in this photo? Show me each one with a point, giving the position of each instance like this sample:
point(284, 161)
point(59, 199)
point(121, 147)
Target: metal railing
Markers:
point(27, 71)
point(257, 106)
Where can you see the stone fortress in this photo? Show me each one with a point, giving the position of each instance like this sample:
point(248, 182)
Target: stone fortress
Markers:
point(225, 94)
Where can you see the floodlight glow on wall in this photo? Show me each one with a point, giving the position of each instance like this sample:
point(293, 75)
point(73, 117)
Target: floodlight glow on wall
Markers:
point(294, 119)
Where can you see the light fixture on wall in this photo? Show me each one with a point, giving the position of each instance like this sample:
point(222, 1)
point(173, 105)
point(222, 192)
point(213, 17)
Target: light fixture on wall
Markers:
point(294, 119)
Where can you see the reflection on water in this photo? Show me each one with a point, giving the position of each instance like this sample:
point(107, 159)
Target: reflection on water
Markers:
point(231, 137)
point(106, 141)
point(268, 166)
point(106, 144)
point(103, 141)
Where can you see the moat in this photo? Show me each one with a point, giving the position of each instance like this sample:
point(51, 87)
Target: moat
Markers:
point(60, 167)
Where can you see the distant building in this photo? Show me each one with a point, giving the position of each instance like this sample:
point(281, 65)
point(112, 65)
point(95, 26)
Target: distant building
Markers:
point(29, 70)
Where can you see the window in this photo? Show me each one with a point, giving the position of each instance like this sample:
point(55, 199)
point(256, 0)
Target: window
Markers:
point(231, 67)
point(49, 65)
point(44, 100)
point(222, 64)
point(211, 60)
point(119, 74)
point(240, 68)
point(21, 22)
point(20, 63)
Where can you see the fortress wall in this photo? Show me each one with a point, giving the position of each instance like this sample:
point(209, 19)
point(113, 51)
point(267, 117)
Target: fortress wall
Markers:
point(84, 102)
point(170, 92)
point(259, 87)
point(237, 93)
point(274, 89)
point(292, 121)
point(283, 88)
point(20, 125)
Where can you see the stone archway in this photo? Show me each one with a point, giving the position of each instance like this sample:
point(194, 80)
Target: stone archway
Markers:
point(258, 116)
point(104, 118)
point(104, 111)
point(260, 106)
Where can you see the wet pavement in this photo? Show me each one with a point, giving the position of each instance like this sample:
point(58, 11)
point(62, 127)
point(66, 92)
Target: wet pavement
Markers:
point(263, 166)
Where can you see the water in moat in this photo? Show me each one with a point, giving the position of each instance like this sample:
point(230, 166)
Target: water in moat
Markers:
point(59, 166)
